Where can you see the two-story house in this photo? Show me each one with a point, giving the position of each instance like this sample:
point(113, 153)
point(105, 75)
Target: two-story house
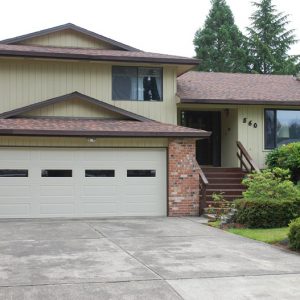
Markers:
point(91, 127)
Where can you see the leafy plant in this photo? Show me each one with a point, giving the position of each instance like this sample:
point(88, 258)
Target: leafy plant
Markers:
point(221, 206)
point(270, 184)
point(266, 213)
point(294, 234)
point(286, 157)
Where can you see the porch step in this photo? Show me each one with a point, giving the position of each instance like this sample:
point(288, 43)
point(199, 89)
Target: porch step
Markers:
point(224, 181)
point(233, 175)
point(216, 210)
point(226, 197)
point(225, 186)
point(221, 170)
point(225, 191)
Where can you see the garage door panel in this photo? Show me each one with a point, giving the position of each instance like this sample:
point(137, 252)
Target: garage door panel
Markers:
point(140, 190)
point(56, 199)
point(98, 199)
point(57, 209)
point(13, 156)
point(104, 209)
point(14, 191)
point(56, 190)
point(107, 193)
point(15, 210)
point(52, 156)
point(94, 190)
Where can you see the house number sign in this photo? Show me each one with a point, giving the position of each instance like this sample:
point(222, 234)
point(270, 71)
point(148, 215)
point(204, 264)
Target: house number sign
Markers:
point(250, 123)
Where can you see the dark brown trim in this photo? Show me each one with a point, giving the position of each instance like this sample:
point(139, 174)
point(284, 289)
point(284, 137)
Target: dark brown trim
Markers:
point(77, 95)
point(80, 133)
point(98, 57)
point(68, 26)
point(245, 102)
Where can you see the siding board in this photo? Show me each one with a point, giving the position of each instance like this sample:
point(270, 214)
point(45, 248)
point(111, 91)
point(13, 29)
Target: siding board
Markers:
point(81, 142)
point(27, 81)
point(68, 38)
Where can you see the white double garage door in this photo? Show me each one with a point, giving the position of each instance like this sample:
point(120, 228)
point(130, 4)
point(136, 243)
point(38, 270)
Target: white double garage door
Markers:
point(44, 182)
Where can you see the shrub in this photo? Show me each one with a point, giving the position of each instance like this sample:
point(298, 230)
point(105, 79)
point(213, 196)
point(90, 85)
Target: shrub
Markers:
point(266, 213)
point(270, 184)
point(286, 157)
point(294, 234)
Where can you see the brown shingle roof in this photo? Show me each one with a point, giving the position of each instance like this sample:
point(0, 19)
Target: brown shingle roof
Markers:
point(201, 87)
point(95, 128)
point(93, 54)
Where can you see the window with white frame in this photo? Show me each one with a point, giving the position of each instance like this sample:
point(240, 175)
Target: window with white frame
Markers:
point(136, 83)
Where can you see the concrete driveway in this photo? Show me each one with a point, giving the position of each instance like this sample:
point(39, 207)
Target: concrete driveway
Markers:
point(140, 258)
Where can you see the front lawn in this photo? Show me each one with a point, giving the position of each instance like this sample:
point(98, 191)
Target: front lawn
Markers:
point(270, 236)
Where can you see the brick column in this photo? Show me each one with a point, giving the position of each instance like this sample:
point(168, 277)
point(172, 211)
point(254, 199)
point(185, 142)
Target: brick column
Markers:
point(183, 178)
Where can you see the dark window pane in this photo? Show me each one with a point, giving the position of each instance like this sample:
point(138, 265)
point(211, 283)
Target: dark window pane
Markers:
point(13, 173)
point(124, 83)
point(56, 173)
point(150, 84)
point(141, 173)
point(288, 126)
point(269, 129)
point(99, 173)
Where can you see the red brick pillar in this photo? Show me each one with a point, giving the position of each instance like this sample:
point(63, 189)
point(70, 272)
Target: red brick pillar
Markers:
point(183, 178)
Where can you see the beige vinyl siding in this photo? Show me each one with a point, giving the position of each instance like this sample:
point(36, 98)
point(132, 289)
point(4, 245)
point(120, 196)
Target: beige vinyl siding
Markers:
point(9, 141)
point(229, 136)
point(233, 129)
point(75, 108)
point(253, 139)
point(68, 38)
point(27, 81)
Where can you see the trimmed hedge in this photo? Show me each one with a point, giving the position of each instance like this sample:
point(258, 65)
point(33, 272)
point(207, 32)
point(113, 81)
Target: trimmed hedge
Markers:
point(294, 234)
point(266, 213)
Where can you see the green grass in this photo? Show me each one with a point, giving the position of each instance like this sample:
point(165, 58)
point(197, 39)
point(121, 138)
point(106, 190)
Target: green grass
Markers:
point(215, 224)
point(271, 236)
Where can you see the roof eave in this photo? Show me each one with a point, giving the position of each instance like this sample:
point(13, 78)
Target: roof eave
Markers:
point(244, 102)
point(129, 134)
point(13, 53)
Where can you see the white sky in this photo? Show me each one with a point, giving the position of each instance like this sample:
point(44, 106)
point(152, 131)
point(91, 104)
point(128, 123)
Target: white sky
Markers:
point(163, 26)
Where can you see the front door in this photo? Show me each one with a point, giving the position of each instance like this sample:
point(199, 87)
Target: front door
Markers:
point(208, 151)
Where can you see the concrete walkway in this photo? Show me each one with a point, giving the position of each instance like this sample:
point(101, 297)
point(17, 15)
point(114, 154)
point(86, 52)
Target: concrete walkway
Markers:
point(139, 258)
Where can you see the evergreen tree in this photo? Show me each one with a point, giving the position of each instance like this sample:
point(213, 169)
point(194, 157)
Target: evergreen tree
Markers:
point(220, 45)
point(270, 41)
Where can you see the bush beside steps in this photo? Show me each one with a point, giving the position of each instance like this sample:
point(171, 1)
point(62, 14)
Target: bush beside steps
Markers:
point(294, 234)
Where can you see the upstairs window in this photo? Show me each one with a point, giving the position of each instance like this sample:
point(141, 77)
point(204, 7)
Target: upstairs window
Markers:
point(136, 83)
point(281, 127)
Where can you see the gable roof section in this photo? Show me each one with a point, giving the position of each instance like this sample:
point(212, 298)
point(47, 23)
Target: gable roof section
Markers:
point(234, 88)
point(77, 95)
point(95, 128)
point(68, 26)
